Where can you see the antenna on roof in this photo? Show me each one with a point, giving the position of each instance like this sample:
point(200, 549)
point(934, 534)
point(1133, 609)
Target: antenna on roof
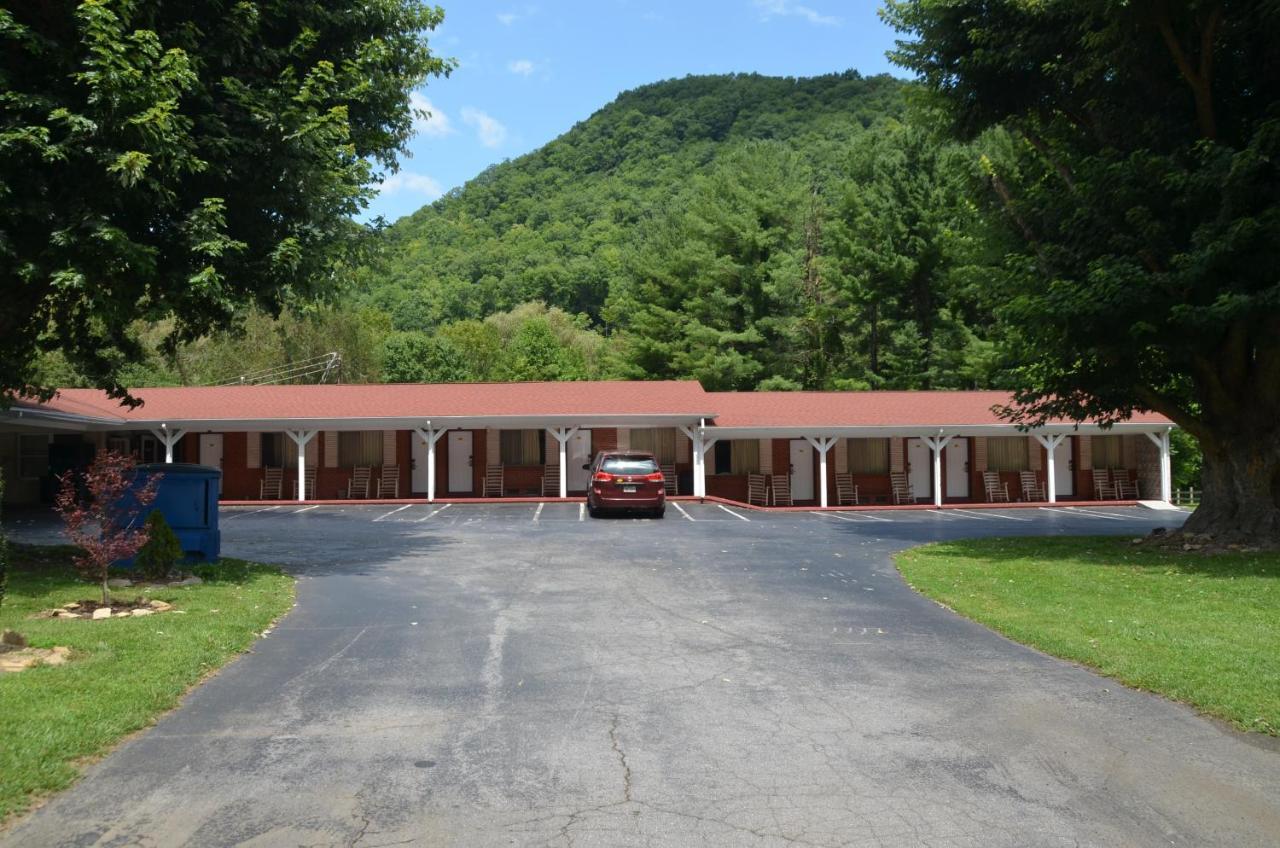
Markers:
point(298, 371)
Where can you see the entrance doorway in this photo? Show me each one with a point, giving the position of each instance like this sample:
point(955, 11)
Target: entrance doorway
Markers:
point(211, 452)
point(1064, 484)
point(801, 470)
point(957, 451)
point(460, 463)
point(920, 465)
point(577, 454)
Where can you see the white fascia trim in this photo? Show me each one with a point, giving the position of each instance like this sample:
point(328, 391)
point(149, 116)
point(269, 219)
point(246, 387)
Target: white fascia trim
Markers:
point(918, 431)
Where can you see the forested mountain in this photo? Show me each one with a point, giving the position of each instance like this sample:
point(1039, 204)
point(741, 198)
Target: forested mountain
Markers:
point(555, 225)
point(743, 230)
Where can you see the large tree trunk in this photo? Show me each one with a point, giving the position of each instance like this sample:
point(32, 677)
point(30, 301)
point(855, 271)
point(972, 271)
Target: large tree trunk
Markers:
point(1241, 502)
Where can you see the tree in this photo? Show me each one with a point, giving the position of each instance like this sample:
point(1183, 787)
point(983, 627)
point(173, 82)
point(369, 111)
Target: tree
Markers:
point(171, 159)
point(420, 358)
point(1137, 173)
point(103, 519)
point(902, 238)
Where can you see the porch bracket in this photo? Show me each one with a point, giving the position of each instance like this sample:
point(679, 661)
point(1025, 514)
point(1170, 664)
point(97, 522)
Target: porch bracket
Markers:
point(1161, 440)
point(562, 435)
point(822, 444)
point(429, 437)
point(168, 438)
point(300, 438)
point(1050, 442)
point(936, 444)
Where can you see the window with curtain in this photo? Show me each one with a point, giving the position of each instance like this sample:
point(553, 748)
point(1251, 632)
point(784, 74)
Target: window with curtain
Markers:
point(869, 456)
point(1108, 452)
point(659, 441)
point(745, 456)
point(360, 447)
point(273, 455)
point(1007, 453)
point(521, 447)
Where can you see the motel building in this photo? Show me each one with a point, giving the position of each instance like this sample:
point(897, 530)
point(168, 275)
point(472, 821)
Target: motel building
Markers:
point(455, 442)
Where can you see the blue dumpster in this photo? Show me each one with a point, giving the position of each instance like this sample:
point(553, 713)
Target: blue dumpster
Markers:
point(187, 497)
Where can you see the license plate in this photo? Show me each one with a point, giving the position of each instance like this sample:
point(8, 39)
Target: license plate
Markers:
point(628, 490)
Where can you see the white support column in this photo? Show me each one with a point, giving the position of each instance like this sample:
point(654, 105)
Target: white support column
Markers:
point(822, 444)
point(430, 436)
point(1161, 441)
point(699, 458)
point(1050, 443)
point(168, 438)
point(300, 438)
point(562, 436)
point(936, 444)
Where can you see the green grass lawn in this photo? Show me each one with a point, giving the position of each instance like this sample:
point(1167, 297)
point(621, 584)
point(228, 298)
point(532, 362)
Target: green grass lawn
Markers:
point(124, 673)
point(1204, 630)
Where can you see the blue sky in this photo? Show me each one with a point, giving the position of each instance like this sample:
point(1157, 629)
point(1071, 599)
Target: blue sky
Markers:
point(528, 72)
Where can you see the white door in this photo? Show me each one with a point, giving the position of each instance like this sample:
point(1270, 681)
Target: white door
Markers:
point(1064, 484)
point(211, 452)
point(421, 473)
point(801, 470)
point(577, 454)
point(460, 479)
point(920, 460)
point(957, 456)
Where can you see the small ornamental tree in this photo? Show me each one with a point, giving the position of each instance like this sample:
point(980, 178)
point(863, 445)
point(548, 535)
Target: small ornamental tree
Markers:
point(103, 522)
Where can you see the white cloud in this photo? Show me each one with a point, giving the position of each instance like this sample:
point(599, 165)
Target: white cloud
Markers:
point(437, 125)
point(787, 8)
point(411, 183)
point(507, 18)
point(523, 67)
point(488, 129)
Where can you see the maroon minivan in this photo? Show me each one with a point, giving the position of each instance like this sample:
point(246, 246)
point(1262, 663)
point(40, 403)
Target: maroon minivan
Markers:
point(626, 480)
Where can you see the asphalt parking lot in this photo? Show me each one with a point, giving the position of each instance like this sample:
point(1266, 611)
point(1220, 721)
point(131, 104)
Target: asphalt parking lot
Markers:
point(521, 674)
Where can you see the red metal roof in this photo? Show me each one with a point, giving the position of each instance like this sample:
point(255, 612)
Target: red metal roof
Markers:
point(585, 399)
point(392, 401)
point(866, 409)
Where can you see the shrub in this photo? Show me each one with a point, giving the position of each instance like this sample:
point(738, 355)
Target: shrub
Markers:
point(156, 559)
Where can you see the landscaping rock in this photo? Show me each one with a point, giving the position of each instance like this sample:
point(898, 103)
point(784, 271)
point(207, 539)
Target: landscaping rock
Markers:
point(102, 612)
point(139, 612)
point(161, 606)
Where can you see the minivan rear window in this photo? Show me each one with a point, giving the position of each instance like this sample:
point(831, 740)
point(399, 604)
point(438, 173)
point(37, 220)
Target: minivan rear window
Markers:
point(629, 465)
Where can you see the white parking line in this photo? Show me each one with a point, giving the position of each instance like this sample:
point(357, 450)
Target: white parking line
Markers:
point(305, 508)
point(1077, 512)
point(682, 512)
point(734, 514)
point(940, 514)
point(537, 512)
point(393, 512)
point(957, 513)
point(434, 512)
point(1136, 516)
point(582, 511)
point(253, 512)
point(860, 520)
point(1110, 515)
point(1006, 517)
